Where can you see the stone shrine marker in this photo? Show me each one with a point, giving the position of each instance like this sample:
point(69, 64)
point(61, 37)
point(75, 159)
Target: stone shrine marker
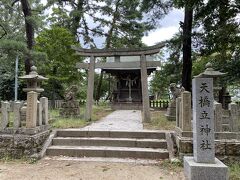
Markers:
point(203, 120)
point(203, 165)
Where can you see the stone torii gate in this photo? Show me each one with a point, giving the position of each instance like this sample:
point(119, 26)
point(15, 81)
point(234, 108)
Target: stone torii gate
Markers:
point(142, 64)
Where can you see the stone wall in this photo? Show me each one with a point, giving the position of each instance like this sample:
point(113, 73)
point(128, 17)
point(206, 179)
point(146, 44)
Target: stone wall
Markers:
point(19, 145)
point(223, 147)
point(27, 130)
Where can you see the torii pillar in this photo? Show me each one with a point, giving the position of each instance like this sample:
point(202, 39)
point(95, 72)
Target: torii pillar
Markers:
point(90, 87)
point(145, 97)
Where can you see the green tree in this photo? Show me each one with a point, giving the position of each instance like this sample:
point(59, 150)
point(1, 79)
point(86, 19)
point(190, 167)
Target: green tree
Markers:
point(11, 45)
point(170, 71)
point(120, 23)
point(219, 37)
point(156, 9)
point(31, 11)
point(71, 19)
point(60, 64)
point(219, 31)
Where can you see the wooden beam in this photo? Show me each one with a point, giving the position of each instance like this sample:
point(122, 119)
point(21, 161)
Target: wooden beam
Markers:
point(116, 65)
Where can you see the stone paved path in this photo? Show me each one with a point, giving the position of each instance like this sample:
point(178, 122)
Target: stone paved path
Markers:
point(119, 120)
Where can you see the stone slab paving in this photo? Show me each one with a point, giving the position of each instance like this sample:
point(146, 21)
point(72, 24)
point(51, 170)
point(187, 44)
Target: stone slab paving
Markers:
point(119, 120)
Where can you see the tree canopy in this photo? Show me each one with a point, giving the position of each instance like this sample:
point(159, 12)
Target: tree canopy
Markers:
point(42, 33)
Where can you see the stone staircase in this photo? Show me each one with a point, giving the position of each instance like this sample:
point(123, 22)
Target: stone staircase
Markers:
point(110, 144)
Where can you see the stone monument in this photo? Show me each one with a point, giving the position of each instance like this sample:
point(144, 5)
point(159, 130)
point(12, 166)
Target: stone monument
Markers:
point(171, 110)
point(70, 106)
point(203, 165)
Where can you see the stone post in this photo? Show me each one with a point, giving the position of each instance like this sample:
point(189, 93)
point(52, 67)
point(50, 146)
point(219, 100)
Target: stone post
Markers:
point(233, 117)
point(5, 107)
point(186, 111)
point(218, 117)
point(203, 165)
point(17, 116)
point(178, 107)
point(145, 97)
point(31, 116)
point(44, 104)
point(39, 113)
point(88, 113)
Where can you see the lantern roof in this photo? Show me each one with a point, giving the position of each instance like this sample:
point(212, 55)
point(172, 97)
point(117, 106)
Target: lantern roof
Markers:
point(33, 75)
point(210, 72)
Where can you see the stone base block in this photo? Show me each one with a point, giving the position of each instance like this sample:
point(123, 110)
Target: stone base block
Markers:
point(170, 118)
point(204, 171)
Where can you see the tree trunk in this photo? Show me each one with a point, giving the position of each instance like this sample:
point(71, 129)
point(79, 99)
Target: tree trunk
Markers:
point(187, 50)
point(26, 8)
point(108, 45)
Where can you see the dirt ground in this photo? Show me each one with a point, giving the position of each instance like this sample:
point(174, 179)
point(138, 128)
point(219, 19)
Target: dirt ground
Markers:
point(79, 170)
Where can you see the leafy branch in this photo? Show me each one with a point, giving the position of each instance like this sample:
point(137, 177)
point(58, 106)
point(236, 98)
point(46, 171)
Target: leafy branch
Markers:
point(5, 31)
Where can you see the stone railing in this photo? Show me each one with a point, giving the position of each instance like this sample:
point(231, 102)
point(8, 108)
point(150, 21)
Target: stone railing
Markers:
point(15, 119)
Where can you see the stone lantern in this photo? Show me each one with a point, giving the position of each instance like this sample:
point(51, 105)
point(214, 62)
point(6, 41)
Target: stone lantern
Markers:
point(211, 73)
point(33, 81)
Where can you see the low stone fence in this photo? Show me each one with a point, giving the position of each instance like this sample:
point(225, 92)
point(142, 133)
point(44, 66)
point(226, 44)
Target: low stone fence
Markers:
point(23, 127)
point(225, 120)
point(159, 104)
point(58, 103)
point(226, 127)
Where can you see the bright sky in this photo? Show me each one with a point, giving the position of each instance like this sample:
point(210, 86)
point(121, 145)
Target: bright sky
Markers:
point(169, 26)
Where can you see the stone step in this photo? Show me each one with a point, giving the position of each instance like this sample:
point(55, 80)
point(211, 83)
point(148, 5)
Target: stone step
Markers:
point(105, 151)
point(117, 142)
point(112, 134)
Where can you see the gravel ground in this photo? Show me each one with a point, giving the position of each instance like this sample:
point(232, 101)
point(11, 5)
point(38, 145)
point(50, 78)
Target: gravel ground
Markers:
point(79, 170)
